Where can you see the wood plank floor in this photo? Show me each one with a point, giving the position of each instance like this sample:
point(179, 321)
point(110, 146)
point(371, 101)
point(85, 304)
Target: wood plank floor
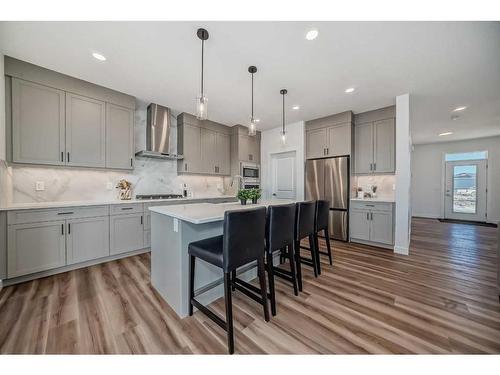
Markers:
point(440, 299)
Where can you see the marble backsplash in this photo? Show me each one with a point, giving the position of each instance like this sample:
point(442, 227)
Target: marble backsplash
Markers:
point(17, 183)
point(385, 184)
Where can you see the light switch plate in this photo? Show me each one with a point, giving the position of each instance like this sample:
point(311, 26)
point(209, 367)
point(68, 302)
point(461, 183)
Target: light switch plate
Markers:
point(39, 186)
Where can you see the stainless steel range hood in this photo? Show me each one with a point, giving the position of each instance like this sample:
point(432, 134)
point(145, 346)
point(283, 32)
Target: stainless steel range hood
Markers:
point(158, 129)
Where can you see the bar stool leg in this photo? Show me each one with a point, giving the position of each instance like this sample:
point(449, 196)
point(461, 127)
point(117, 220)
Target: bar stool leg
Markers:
point(192, 261)
point(263, 289)
point(316, 251)
point(296, 250)
point(314, 258)
point(327, 239)
point(229, 312)
point(293, 271)
point(270, 275)
point(233, 277)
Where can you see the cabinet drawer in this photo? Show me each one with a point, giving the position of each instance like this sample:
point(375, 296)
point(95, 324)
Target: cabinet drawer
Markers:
point(132, 208)
point(372, 206)
point(52, 214)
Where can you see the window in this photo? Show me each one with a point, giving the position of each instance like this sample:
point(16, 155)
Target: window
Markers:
point(476, 155)
point(465, 189)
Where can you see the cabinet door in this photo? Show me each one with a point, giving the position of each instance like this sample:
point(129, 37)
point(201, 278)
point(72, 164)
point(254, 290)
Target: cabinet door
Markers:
point(191, 144)
point(254, 149)
point(87, 239)
point(126, 233)
point(208, 151)
point(339, 140)
point(316, 143)
point(384, 146)
point(119, 137)
point(37, 123)
point(363, 148)
point(85, 131)
point(35, 247)
point(243, 147)
point(359, 224)
point(223, 143)
point(381, 227)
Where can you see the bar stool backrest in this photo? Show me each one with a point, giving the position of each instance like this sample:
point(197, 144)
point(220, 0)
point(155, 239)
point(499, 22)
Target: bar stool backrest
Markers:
point(322, 214)
point(304, 219)
point(244, 233)
point(280, 225)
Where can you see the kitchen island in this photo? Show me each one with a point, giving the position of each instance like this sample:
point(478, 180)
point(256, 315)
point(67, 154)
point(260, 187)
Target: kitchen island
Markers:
point(172, 229)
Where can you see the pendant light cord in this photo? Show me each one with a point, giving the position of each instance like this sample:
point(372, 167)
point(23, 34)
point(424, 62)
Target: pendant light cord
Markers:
point(252, 96)
point(283, 129)
point(202, 53)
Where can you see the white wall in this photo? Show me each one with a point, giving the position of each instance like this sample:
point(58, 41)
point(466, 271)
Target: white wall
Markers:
point(270, 144)
point(2, 109)
point(403, 175)
point(427, 178)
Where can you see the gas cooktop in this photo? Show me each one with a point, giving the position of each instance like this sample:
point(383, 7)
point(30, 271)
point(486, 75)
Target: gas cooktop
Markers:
point(158, 196)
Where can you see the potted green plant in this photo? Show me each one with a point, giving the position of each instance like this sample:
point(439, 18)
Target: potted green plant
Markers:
point(243, 195)
point(255, 195)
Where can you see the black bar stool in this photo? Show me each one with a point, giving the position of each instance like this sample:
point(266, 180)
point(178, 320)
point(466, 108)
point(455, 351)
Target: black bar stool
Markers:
point(304, 227)
point(321, 224)
point(280, 226)
point(242, 242)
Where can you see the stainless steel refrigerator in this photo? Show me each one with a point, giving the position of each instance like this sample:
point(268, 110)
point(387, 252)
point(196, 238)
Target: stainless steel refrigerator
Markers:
point(329, 179)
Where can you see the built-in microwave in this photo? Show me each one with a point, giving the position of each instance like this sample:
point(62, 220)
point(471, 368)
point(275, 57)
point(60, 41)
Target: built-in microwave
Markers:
point(250, 171)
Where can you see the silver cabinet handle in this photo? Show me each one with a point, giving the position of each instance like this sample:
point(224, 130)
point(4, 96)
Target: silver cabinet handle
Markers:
point(62, 156)
point(127, 208)
point(371, 166)
point(185, 167)
point(69, 228)
point(62, 229)
point(367, 216)
point(374, 166)
point(65, 213)
point(327, 150)
point(371, 215)
point(68, 157)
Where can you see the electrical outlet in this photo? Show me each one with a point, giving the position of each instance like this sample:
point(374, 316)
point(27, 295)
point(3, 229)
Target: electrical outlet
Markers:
point(393, 186)
point(39, 186)
point(109, 186)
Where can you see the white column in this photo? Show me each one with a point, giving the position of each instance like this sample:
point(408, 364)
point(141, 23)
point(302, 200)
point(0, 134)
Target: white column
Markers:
point(403, 175)
point(2, 109)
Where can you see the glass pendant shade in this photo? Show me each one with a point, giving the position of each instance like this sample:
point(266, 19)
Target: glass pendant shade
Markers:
point(283, 137)
point(201, 107)
point(252, 128)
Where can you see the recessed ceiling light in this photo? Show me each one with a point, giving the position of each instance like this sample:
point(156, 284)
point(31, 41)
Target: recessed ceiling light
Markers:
point(296, 107)
point(458, 109)
point(445, 133)
point(455, 117)
point(349, 90)
point(98, 56)
point(312, 34)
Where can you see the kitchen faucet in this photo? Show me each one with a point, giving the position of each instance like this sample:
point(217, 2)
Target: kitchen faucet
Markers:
point(240, 180)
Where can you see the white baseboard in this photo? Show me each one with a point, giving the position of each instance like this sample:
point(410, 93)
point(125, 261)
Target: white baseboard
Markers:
point(426, 216)
point(402, 250)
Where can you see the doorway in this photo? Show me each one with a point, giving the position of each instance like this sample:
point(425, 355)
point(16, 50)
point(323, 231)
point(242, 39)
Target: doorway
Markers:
point(466, 190)
point(284, 180)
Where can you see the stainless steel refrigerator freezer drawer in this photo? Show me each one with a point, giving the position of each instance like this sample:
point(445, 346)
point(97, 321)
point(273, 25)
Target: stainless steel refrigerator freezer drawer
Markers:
point(337, 225)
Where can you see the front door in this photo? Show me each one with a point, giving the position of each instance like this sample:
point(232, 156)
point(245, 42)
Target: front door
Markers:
point(465, 190)
point(283, 176)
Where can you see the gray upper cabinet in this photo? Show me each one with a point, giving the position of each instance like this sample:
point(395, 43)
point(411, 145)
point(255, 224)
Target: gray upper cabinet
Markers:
point(60, 120)
point(38, 123)
point(189, 146)
point(205, 146)
point(119, 137)
point(85, 131)
point(329, 136)
point(383, 146)
point(363, 148)
point(249, 148)
point(223, 147)
point(374, 141)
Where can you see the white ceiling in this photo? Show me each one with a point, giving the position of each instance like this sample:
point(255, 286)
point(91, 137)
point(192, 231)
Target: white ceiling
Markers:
point(441, 64)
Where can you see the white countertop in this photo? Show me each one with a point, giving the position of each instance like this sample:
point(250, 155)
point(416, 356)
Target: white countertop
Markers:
point(381, 199)
point(28, 206)
point(201, 213)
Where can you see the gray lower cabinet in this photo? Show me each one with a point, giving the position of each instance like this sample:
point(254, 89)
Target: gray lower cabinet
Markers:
point(85, 131)
point(38, 123)
point(372, 222)
point(119, 137)
point(35, 247)
point(87, 239)
point(126, 233)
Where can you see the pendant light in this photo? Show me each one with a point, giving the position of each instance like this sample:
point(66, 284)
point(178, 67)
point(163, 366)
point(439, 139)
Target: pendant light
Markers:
point(202, 101)
point(283, 92)
point(252, 129)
